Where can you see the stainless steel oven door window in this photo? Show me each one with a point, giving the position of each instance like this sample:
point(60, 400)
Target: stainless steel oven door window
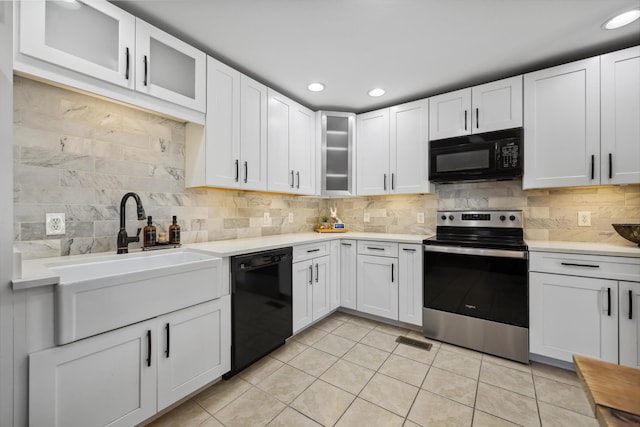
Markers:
point(481, 283)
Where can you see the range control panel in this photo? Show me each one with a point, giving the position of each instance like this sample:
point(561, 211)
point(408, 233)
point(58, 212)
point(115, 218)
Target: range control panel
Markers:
point(488, 218)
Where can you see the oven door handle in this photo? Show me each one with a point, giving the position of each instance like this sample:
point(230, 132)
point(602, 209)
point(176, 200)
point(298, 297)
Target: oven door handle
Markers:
point(500, 253)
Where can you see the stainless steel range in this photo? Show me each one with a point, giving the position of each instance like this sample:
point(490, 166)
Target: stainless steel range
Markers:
point(476, 283)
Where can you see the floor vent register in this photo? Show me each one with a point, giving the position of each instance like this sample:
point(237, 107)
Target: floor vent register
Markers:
point(414, 343)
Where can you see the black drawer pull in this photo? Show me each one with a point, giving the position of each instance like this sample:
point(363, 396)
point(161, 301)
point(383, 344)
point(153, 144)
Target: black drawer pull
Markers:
point(579, 265)
point(630, 304)
point(312, 250)
point(345, 244)
point(167, 329)
point(408, 250)
point(373, 248)
point(149, 348)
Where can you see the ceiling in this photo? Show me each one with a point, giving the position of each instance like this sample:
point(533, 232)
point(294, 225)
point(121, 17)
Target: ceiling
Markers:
point(411, 48)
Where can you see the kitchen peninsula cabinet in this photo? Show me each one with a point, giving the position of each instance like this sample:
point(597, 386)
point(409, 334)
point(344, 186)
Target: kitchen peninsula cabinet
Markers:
point(122, 377)
point(577, 303)
point(231, 152)
point(392, 150)
point(484, 108)
point(311, 293)
point(291, 147)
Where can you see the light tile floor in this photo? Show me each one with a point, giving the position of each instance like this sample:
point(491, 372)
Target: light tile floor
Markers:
point(349, 371)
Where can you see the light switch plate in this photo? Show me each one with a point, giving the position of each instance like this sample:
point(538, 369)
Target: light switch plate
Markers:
point(420, 217)
point(584, 219)
point(266, 219)
point(367, 218)
point(290, 217)
point(55, 224)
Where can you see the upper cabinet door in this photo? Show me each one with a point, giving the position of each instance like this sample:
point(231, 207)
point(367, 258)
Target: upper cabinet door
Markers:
point(620, 92)
point(372, 153)
point(169, 68)
point(280, 177)
point(409, 139)
point(222, 125)
point(562, 125)
point(450, 114)
point(303, 150)
point(253, 134)
point(93, 37)
point(497, 105)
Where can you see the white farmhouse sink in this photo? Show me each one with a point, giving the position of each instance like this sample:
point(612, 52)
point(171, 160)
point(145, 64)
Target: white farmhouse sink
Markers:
point(99, 294)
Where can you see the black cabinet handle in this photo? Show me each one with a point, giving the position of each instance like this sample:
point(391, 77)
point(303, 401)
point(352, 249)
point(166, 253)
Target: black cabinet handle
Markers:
point(477, 119)
point(298, 175)
point(608, 301)
point(292, 180)
point(312, 250)
point(246, 172)
point(392, 268)
point(237, 170)
point(126, 69)
point(385, 182)
point(373, 248)
point(148, 347)
point(579, 265)
point(145, 69)
point(167, 330)
point(317, 273)
point(593, 166)
point(345, 244)
point(311, 274)
point(393, 181)
point(408, 249)
point(465, 119)
point(630, 304)
point(610, 165)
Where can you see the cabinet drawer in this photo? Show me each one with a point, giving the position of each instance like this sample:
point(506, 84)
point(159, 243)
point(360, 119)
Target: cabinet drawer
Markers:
point(310, 250)
point(605, 267)
point(370, 247)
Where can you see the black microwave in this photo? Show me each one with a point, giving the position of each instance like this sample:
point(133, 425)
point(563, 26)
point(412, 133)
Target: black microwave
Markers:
point(489, 156)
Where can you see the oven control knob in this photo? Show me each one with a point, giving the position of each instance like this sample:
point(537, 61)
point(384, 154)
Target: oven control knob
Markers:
point(502, 217)
point(451, 217)
point(443, 217)
point(512, 218)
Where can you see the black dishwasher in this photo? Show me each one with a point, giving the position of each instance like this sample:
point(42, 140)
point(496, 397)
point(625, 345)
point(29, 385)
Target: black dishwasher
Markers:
point(261, 309)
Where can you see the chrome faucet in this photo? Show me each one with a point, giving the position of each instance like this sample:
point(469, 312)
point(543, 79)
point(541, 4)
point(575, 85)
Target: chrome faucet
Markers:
point(123, 238)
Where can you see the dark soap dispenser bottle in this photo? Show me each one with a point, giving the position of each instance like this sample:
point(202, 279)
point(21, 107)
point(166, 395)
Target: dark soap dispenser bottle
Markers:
point(174, 232)
point(149, 233)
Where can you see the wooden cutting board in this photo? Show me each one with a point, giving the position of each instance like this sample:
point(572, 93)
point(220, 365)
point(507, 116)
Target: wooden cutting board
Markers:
point(610, 388)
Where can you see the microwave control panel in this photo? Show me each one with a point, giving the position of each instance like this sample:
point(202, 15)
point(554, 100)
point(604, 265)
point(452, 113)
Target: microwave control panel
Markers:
point(509, 155)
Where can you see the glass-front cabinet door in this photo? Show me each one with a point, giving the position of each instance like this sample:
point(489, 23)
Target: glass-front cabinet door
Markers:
point(168, 68)
point(91, 37)
point(337, 131)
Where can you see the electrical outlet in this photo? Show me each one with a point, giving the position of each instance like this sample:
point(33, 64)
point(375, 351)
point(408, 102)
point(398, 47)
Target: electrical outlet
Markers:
point(54, 224)
point(290, 217)
point(584, 219)
point(367, 218)
point(420, 218)
point(266, 218)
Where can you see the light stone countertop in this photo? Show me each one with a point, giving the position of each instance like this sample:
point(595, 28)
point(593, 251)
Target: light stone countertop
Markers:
point(35, 272)
point(604, 249)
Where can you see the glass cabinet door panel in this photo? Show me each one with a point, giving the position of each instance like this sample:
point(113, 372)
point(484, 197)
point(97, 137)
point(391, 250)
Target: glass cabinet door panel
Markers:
point(171, 69)
point(337, 138)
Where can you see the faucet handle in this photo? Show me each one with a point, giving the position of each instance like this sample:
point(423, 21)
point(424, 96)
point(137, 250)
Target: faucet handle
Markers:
point(138, 233)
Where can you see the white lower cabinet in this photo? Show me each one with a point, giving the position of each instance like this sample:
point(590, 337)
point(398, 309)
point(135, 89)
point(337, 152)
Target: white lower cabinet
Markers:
point(410, 284)
point(580, 304)
point(311, 292)
point(348, 274)
point(377, 281)
point(629, 294)
point(334, 275)
point(123, 377)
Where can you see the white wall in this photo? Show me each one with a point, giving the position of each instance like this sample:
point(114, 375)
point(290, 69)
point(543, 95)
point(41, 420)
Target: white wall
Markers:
point(6, 215)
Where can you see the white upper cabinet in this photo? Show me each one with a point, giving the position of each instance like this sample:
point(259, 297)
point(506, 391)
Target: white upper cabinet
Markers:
point(620, 113)
point(231, 151)
point(169, 68)
point(392, 150)
point(93, 37)
point(409, 139)
point(562, 125)
point(291, 146)
point(484, 108)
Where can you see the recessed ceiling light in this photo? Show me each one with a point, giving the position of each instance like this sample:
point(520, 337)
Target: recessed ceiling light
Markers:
point(376, 92)
point(622, 19)
point(316, 87)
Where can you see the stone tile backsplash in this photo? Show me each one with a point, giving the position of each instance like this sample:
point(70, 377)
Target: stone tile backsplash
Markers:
point(79, 155)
